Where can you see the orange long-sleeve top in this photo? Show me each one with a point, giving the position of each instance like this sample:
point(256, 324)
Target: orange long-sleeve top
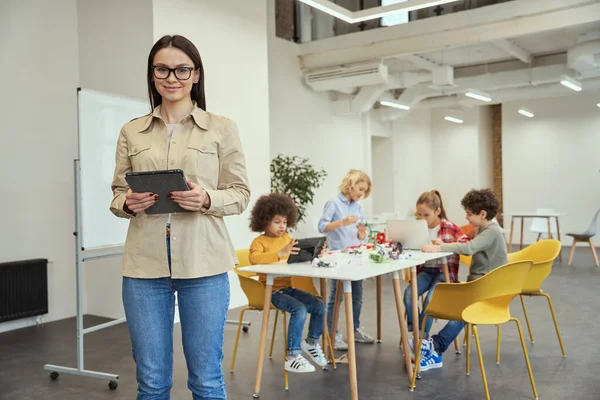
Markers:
point(263, 250)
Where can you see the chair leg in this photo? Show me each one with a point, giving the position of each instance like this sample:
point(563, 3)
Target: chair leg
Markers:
point(526, 319)
point(572, 252)
point(418, 355)
point(593, 249)
point(285, 372)
point(468, 340)
point(498, 345)
point(273, 336)
point(330, 347)
point(237, 337)
point(535, 393)
point(562, 347)
point(483, 377)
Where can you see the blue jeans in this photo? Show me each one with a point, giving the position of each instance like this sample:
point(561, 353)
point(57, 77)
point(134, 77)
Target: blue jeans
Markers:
point(426, 281)
point(299, 303)
point(150, 309)
point(357, 295)
point(446, 336)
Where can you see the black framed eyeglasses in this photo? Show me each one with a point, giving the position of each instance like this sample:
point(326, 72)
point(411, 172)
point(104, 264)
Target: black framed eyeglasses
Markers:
point(181, 73)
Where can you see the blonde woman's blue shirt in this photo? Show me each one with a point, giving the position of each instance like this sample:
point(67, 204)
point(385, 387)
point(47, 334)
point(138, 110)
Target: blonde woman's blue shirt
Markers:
point(339, 208)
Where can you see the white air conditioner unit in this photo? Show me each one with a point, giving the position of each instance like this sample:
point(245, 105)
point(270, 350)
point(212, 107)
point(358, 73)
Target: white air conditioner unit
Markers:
point(347, 77)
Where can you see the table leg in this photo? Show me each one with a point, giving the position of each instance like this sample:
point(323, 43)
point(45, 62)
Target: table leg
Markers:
point(350, 333)
point(323, 293)
point(510, 237)
point(415, 306)
point(522, 223)
point(263, 335)
point(549, 228)
point(336, 310)
point(402, 322)
point(378, 285)
point(558, 234)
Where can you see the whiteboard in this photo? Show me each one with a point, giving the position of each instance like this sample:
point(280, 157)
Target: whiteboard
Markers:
point(101, 117)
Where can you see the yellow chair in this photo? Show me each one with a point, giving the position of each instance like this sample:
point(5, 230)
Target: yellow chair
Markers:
point(255, 293)
point(543, 254)
point(484, 301)
point(466, 260)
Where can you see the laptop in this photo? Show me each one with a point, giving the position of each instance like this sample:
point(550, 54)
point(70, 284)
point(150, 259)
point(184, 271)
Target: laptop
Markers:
point(411, 233)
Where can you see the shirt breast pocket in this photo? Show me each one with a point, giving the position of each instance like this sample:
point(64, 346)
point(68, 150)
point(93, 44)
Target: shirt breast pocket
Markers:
point(203, 161)
point(139, 156)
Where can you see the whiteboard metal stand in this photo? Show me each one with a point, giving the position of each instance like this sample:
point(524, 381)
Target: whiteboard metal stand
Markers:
point(80, 258)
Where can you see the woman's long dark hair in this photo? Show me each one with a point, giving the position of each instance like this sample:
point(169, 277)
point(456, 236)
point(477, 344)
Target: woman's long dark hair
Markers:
point(183, 44)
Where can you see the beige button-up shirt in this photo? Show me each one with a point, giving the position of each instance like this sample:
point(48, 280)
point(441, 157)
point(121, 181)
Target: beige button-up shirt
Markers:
point(207, 148)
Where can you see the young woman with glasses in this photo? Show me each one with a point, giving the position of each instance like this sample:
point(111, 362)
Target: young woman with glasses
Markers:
point(187, 253)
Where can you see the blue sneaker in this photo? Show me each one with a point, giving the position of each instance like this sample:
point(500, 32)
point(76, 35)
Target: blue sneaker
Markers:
point(431, 360)
point(426, 347)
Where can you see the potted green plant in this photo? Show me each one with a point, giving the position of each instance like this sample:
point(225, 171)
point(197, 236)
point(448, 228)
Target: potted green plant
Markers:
point(294, 176)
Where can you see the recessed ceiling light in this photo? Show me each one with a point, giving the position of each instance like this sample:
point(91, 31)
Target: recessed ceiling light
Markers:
point(455, 120)
point(526, 112)
point(351, 17)
point(477, 95)
point(571, 83)
point(395, 105)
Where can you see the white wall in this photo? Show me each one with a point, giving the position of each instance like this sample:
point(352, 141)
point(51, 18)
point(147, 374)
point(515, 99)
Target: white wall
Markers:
point(412, 167)
point(302, 124)
point(551, 161)
point(232, 39)
point(38, 141)
point(382, 158)
point(461, 157)
point(115, 38)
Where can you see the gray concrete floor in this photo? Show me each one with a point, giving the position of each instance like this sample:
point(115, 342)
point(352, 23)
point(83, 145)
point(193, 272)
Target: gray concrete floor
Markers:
point(381, 374)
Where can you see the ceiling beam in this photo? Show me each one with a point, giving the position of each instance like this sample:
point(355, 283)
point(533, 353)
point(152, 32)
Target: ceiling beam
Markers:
point(422, 62)
point(513, 49)
point(450, 31)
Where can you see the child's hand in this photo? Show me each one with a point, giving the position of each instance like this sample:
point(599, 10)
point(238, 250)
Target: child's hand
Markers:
point(289, 249)
point(349, 220)
point(437, 241)
point(430, 248)
point(362, 228)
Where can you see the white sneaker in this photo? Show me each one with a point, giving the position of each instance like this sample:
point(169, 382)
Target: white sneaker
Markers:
point(339, 343)
point(298, 364)
point(315, 352)
point(361, 336)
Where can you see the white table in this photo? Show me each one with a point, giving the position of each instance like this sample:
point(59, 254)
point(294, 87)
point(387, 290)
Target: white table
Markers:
point(345, 273)
point(523, 215)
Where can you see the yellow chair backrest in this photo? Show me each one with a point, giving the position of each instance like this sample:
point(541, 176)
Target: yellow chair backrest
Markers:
point(483, 300)
point(542, 254)
point(253, 289)
point(466, 260)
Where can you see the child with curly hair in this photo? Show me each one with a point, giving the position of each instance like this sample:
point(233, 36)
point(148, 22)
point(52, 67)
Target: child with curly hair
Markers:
point(272, 215)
